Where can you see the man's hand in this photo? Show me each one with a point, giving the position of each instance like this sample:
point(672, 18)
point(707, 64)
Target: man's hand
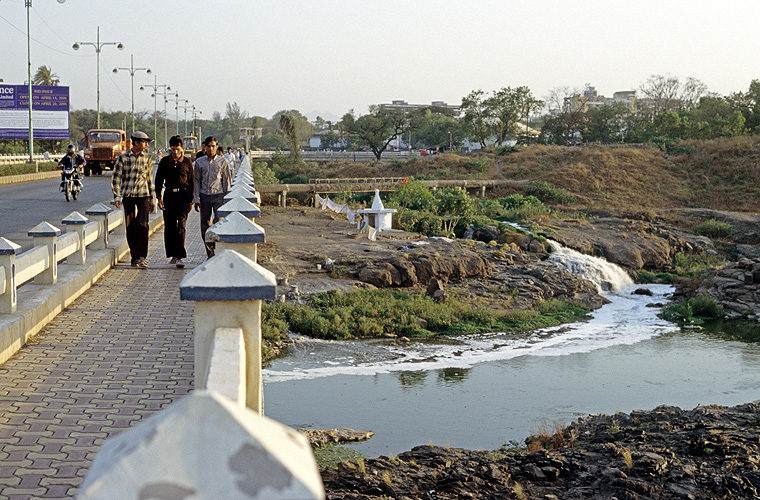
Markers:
point(197, 207)
point(117, 204)
point(160, 204)
point(151, 206)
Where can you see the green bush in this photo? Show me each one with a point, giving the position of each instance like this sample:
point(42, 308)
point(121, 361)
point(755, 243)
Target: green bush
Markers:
point(477, 165)
point(372, 313)
point(714, 229)
point(549, 193)
point(693, 311)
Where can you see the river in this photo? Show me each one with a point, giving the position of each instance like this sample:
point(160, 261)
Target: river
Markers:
point(482, 391)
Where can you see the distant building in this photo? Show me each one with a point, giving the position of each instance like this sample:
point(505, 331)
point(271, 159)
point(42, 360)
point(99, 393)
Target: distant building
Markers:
point(399, 104)
point(590, 99)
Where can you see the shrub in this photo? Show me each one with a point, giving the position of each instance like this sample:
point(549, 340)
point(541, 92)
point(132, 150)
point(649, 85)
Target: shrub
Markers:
point(714, 229)
point(549, 193)
point(693, 311)
point(478, 164)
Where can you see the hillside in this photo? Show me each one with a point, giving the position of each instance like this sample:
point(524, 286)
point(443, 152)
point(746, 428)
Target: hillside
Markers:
point(719, 175)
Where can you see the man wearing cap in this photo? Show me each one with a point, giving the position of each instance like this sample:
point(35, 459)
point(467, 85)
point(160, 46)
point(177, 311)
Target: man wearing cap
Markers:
point(132, 186)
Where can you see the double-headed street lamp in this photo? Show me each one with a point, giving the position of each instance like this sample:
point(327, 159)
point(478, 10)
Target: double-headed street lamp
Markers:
point(28, 5)
point(176, 108)
point(154, 95)
point(163, 93)
point(184, 102)
point(195, 114)
point(132, 70)
point(98, 46)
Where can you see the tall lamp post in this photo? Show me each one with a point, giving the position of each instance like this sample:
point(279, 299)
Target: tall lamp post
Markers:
point(164, 94)
point(28, 5)
point(195, 114)
point(132, 70)
point(185, 102)
point(98, 46)
point(154, 95)
point(176, 107)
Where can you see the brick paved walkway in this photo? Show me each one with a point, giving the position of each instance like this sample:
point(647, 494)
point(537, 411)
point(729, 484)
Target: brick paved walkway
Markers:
point(122, 351)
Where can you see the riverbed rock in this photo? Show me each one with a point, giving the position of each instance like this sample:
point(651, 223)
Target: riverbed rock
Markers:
point(632, 244)
point(736, 287)
point(667, 453)
point(327, 436)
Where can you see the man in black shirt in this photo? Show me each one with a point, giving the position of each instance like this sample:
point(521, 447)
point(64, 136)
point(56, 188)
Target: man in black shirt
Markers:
point(175, 178)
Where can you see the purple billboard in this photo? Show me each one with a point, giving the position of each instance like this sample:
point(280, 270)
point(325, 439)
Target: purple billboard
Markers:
point(50, 112)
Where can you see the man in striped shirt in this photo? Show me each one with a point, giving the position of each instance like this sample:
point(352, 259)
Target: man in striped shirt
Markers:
point(132, 186)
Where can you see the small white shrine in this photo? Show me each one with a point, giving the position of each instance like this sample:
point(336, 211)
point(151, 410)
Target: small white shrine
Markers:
point(378, 216)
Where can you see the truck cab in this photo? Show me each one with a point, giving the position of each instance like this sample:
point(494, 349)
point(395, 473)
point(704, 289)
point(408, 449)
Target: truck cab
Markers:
point(191, 147)
point(103, 147)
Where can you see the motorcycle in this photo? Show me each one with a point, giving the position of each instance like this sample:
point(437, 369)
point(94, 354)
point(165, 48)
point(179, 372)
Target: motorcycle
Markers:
point(71, 185)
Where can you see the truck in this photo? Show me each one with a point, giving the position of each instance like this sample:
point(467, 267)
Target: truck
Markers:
point(191, 146)
point(103, 147)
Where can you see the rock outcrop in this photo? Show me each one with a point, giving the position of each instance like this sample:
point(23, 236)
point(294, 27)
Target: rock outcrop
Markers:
point(633, 244)
point(667, 453)
point(736, 287)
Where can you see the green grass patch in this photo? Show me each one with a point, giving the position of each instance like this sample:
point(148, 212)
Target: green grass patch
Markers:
point(549, 193)
point(332, 454)
point(373, 313)
point(27, 168)
point(693, 311)
point(693, 264)
point(714, 229)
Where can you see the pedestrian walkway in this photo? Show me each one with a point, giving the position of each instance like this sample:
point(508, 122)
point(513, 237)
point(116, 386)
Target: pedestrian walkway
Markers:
point(120, 352)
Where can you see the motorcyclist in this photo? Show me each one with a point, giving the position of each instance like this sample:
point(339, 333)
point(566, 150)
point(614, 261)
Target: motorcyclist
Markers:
point(74, 160)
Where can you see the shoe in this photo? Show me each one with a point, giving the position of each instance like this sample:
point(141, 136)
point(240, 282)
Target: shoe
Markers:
point(173, 260)
point(180, 264)
point(142, 263)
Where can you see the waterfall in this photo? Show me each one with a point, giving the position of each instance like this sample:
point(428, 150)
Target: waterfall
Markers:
point(607, 276)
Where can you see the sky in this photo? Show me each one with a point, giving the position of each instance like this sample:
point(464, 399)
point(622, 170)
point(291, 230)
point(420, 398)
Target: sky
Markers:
point(326, 57)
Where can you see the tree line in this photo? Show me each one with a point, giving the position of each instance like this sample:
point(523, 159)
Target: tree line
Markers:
point(664, 110)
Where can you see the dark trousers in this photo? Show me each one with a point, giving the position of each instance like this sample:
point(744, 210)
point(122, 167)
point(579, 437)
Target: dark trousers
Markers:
point(209, 203)
point(176, 209)
point(136, 217)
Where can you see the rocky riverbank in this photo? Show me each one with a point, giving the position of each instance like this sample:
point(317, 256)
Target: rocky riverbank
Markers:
point(708, 452)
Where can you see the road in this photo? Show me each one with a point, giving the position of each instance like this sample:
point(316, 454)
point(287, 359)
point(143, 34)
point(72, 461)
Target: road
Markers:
point(24, 205)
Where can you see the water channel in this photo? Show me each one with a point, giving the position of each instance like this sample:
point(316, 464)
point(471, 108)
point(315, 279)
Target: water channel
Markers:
point(482, 391)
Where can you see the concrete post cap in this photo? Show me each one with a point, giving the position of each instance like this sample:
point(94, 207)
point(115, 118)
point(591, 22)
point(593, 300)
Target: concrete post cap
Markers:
point(228, 276)
point(75, 218)
point(239, 204)
point(44, 229)
point(7, 247)
point(236, 228)
point(97, 209)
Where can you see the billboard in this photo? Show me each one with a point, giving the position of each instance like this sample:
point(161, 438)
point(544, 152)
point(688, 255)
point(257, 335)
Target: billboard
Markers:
point(50, 112)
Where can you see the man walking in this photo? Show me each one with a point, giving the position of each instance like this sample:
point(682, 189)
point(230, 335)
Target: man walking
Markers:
point(213, 178)
point(176, 172)
point(132, 186)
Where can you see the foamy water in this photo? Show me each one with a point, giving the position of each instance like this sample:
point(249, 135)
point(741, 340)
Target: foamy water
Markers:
point(627, 319)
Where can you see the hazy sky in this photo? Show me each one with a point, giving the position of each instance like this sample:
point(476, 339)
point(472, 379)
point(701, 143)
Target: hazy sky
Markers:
point(329, 56)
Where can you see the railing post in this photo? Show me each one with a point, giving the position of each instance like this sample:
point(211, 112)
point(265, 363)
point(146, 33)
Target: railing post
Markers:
point(8, 298)
point(75, 222)
point(228, 290)
point(239, 204)
point(236, 232)
point(99, 212)
point(45, 234)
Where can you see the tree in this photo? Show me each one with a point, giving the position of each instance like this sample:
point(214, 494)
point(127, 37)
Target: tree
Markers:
point(477, 117)
point(434, 129)
point(566, 120)
point(378, 128)
point(45, 76)
point(607, 123)
point(660, 94)
point(288, 127)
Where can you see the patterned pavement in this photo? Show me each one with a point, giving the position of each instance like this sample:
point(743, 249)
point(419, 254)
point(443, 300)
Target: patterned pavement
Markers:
point(120, 352)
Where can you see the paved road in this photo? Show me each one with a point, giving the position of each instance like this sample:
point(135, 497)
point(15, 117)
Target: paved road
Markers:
point(24, 205)
point(119, 353)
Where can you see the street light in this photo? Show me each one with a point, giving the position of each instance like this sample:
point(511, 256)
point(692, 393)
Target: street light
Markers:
point(163, 93)
point(176, 107)
point(184, 105)
point(155, 88)
point(28, 5)
point(195, 114)
point(98, 46)
point(132, 70)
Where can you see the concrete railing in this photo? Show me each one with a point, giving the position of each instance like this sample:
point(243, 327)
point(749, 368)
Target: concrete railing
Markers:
point(203, 444)
point(31, 293)
point(8, 159)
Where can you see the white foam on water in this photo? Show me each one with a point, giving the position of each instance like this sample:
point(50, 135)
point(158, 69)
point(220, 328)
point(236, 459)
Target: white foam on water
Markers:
point(625, 320)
